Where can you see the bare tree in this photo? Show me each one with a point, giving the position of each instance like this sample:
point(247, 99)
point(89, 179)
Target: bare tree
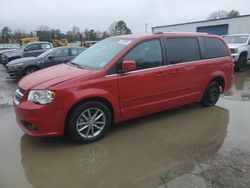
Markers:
point(112, 29)
point(43, 28)
point(218, 15)
point(223, 14)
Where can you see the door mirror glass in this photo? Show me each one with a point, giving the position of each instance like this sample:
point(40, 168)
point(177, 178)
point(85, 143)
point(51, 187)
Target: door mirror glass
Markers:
point(128, 65)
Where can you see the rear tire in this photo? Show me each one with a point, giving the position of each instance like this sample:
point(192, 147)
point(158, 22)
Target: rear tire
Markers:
point(88, 122)
point(240, 65)
point(211, 95)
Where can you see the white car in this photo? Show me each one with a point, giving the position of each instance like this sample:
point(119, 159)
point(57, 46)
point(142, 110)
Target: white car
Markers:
point(239, 45)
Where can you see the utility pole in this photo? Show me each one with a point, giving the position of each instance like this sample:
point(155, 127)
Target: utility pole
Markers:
point(146, 28)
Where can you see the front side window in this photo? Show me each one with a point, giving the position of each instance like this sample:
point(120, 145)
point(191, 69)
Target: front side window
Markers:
point(181, 50)
point(60, 53)
point(214, 48)
point(146, 55)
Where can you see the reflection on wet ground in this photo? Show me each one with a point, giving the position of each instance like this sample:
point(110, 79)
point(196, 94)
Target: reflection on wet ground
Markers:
point(176, 148)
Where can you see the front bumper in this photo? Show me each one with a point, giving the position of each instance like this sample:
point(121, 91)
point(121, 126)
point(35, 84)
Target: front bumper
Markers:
point(39, 120)
point(15, 73)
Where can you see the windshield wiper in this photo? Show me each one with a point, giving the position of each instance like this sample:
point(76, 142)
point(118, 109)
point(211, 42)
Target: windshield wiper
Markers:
point(75, 64)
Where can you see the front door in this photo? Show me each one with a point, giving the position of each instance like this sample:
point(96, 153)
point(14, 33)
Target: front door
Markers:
point(142, 91)
point(58, 56)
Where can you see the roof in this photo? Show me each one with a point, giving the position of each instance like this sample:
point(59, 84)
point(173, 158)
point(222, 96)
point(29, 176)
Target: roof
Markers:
point(247, 15)
point(158, 35)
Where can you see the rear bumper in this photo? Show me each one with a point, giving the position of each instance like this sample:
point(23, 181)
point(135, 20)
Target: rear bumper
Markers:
point(39, 120)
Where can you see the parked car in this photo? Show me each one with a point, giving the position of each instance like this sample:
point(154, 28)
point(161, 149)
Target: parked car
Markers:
point(2, 51)
point(239, 45)
point(26, 65)
point(30, 50)
point(121, 78)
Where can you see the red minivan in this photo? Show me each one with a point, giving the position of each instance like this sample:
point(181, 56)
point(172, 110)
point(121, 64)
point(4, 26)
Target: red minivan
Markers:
point(121, 78)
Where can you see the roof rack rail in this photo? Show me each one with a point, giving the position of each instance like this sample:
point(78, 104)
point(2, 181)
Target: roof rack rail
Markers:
point(171, 32)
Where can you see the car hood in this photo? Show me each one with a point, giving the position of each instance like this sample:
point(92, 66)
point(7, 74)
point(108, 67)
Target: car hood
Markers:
point(22, 60)
point(234, 45)
point(6, 50)
point(51, 76)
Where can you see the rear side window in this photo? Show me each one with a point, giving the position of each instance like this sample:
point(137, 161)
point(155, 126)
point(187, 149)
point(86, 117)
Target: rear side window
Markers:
point(214, 48)
point(45, 46)
point(181, 50)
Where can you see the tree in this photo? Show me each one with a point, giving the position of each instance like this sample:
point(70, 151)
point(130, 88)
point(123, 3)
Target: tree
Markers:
point(223, 14)
point(43, 28)
point(6, 33)
point(233, 13)
point(105, 35)
point(119, 28)
point(112, 30)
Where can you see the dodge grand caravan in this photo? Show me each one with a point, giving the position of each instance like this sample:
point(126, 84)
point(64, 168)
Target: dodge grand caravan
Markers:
point(121, 78)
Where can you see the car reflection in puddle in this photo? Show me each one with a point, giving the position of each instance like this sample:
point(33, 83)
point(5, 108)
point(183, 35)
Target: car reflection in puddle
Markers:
point(146, 152)
point(240, 90)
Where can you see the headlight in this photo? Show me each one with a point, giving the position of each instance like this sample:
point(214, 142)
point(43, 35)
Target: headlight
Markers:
point(16, 65)
point(41, 96)
point(234, 50)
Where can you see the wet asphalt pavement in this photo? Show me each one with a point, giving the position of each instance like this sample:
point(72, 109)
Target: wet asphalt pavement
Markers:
point(190, 146)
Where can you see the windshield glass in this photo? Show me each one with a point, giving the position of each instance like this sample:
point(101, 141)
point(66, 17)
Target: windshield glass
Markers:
point(101, 53)
point(44, 54)
point(236, 39)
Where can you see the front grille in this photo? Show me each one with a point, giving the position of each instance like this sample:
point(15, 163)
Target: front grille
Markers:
point(233, 51)
point(19, 94)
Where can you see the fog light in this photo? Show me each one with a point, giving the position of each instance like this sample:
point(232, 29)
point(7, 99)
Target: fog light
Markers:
point(29, 126)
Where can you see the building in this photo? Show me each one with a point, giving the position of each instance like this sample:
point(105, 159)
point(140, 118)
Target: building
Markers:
point(224, 26)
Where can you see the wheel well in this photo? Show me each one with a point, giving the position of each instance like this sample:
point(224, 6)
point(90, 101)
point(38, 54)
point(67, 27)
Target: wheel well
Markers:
point(31, 66)
point(220, 81)
point(98, 99)
point(243, 54)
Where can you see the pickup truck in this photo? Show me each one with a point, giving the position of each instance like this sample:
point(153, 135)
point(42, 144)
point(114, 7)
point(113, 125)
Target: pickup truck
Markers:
point(239, 45)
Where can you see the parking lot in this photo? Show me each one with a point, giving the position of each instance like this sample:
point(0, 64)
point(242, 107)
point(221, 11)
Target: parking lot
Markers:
point(190, 146)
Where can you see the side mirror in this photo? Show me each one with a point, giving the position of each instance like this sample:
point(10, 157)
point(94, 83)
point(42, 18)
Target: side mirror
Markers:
point(51, 57)
point(128, 65)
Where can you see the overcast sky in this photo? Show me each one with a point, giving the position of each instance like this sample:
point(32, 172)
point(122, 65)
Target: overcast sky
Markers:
point(99, 14)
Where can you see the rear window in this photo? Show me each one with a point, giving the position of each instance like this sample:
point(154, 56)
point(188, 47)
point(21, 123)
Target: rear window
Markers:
point(214, 48)
point(180, 50)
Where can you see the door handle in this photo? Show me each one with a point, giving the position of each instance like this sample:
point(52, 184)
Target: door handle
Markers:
point(161, 75)
point(175, 72)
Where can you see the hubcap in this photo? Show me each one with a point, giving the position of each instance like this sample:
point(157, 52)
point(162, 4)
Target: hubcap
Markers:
point(91, 123)
point(213, 95)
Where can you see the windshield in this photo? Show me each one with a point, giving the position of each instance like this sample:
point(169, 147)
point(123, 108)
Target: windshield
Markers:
point(44, 54)
point(101, 53)
point(236, 39)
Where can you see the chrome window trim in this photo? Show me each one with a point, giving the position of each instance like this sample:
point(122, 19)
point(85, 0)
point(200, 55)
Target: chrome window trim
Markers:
point(170, 65)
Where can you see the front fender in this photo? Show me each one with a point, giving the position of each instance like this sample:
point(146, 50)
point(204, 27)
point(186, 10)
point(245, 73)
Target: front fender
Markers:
point(68, 99)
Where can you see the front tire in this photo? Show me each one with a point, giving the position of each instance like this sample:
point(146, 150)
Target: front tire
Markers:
point(30, 70)
point(241, 64)
point(89, 122)
point(211, 95)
